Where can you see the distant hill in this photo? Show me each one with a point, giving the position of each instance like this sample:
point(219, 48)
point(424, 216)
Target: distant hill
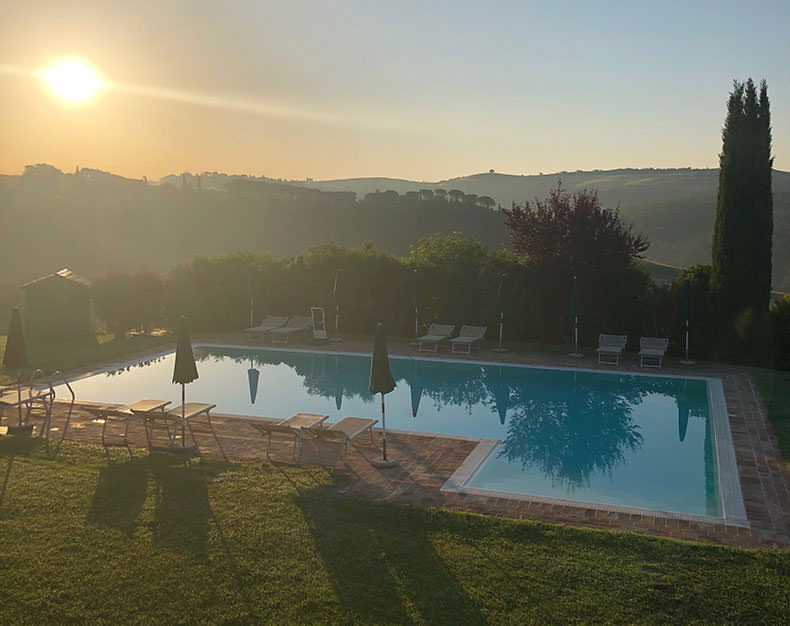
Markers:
point(674, 208)
point(92, 221)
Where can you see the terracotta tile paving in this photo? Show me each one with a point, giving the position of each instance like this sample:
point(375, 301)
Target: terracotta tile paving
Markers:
point(427, 461)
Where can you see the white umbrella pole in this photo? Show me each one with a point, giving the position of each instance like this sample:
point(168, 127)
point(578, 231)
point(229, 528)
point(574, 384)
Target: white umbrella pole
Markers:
point(576, 332)
point(416, 323)
point(251, 313)
point(501, 324)
point(19, 396)
point(183, 413)
point(383, 430)
point(337, 319)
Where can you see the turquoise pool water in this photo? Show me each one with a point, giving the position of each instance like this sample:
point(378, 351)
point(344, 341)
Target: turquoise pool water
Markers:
point(608, 438)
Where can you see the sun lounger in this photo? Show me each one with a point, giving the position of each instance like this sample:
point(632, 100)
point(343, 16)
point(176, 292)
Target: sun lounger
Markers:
point(610, 347)
point(651, 351)
point(123, 414)
point(266, 326)
point(296, 324)
point(468, 336)
point(289, 428)
point(327, 446)
point(164, 420)
point(435, 334)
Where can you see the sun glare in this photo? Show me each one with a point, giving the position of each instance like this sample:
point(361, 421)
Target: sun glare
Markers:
point(72, 80)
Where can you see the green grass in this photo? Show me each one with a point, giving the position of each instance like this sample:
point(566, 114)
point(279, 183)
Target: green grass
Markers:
point(60, 354)
point(774, 386)
point(156, 539)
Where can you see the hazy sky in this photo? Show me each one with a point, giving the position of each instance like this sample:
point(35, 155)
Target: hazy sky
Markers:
point(421, 90)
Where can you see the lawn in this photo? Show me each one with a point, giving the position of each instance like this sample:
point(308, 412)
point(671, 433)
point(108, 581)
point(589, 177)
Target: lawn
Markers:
point(86, 539)
point(60, 354)
point(774, 386)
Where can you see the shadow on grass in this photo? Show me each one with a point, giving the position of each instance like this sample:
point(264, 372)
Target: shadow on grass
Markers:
point(382, 564)
point(181, 507)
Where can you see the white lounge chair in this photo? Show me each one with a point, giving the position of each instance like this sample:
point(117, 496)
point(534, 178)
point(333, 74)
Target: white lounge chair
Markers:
point(468, 336)
point(266, 326)
point(327, 446)
point(289, 428)
point(319, 324)
point(610, 347)
point(123, 414)
point(651, 351)
point(435, 334)
point(296, 324)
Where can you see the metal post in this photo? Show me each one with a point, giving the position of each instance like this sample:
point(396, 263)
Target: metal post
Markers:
point(183, 409)
point(501, 325)
point(19, 395)
point(384, 430)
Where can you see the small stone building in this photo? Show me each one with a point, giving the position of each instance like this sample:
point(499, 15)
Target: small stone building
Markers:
point(58, 305)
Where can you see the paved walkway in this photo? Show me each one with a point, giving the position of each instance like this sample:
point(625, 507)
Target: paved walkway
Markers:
point(427, 461)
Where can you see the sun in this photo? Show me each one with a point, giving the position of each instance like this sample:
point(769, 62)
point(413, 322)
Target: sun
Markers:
point(72, 80)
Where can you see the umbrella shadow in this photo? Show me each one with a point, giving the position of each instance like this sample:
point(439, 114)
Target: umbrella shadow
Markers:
point(182, 510)
point(120, 495)
point(365, 547)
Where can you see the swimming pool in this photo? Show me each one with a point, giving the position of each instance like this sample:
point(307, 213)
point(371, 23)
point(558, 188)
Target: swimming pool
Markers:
point(620, 440)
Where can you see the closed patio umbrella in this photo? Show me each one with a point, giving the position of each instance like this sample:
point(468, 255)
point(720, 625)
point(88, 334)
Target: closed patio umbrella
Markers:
point(415, 302)
point(575, 309)
point(501, 396)
point(415, 387)
point(381, 381)
point(185, 370)
point(685, 306)
point(15, 357)
point(336, 297)
point(252, 377)
point(501, 305)
point(338, 386)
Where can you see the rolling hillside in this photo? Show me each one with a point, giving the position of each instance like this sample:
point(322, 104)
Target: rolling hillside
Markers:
point(93, 221)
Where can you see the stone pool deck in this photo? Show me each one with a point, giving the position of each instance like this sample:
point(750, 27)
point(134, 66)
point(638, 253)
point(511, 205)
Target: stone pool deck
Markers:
point(427, 461)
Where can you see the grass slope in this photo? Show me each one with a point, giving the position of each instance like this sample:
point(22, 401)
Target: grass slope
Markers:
point(153, 539)
point(68, 354)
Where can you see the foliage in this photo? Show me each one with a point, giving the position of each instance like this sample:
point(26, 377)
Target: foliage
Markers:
point(216, 542)
point(129, 301)
point(779, 316)
point(741, 274)
point(774, 388)
point(572, 235)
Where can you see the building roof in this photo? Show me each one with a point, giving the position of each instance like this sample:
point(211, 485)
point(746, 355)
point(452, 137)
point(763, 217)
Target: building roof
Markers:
point(65, 274)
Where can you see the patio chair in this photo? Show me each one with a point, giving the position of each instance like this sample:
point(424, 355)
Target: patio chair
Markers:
point(651, 351)
point(27, 396)
point(468, 336)
point(123, 414)
point(436, 333)
point(327, 446)
point(318, 322)
point(266, 326)
point(610, 347)
point(289, 428)
point(296, 324)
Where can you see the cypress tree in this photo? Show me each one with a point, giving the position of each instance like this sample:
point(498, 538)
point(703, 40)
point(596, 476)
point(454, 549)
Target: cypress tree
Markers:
point(741, 272)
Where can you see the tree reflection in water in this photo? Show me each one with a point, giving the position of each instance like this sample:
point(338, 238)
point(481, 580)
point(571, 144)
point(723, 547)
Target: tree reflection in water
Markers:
point(570, 436)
